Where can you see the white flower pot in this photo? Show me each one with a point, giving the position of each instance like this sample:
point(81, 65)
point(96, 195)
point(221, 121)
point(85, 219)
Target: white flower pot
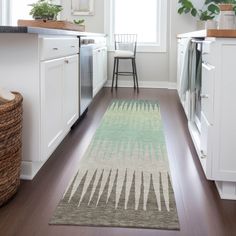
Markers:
point(201, 25)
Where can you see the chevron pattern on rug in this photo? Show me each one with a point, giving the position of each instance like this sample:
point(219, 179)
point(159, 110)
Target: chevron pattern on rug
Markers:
point(125, 170)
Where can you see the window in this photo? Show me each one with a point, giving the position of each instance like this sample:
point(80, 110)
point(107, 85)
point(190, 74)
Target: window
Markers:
point(146, 18)
point(12, 10)
point(3, 12)
point(19, 10)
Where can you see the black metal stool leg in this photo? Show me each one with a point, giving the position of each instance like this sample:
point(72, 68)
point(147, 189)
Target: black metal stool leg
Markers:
point(133, 69)
point(117, 71)
point(114, 71)
point(136, 74)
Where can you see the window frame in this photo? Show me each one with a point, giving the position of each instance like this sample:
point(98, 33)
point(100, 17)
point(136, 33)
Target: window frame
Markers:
point(141, 47)
point(9, 15)
point(4, 12)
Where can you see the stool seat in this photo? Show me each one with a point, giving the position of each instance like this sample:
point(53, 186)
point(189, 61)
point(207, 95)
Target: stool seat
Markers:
point(123, 53)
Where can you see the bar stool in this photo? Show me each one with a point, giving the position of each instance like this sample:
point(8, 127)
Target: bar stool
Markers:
point(125, 49)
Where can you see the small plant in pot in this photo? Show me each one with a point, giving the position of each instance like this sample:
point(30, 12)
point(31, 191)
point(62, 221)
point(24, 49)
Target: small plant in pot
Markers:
point(207, 13)
point(45, 10)
point(227, 13)
point(79, 21)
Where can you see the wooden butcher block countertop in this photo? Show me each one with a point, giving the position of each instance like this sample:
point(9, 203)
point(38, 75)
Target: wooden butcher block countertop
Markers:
point(209, 33)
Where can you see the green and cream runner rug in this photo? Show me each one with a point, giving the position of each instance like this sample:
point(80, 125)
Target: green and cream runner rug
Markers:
point(124, 177)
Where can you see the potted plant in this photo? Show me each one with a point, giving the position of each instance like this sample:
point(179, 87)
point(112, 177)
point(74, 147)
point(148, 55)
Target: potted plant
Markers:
point(45, 10)
point(207, 13)
point(79, 21)
point(227, 13)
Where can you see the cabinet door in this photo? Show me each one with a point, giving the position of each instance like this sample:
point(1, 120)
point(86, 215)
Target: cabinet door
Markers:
point(224, 164)
point(179, 64)
point(51, 105)
point(206, 146)
point(207, 96)
point(99, 69)
point(104, 61)
point(70, 91)
point(96, 71)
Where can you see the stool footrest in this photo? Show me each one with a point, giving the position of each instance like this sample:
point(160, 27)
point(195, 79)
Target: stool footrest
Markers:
point(116, 73)
point(125, 73)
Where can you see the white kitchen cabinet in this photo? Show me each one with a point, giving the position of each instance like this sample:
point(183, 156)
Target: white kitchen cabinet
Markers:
point(70, 91)
point(52, 129)
point(221, 106)
point(99, 69)
point(44, 69)
point(59, 100)
point(216, 147)
point(224, 168)
point(59, 91)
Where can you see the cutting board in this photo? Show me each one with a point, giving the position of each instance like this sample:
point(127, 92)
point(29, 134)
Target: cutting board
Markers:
point(63, 25)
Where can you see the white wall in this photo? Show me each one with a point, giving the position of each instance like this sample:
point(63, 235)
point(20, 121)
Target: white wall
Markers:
point(152, 67)
point(93, 23)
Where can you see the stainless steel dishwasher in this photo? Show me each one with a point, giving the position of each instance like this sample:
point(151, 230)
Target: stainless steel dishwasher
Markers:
point(86, 73)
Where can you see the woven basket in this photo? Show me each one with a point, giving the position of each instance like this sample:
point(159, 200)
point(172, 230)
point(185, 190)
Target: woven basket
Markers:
point(10, 146)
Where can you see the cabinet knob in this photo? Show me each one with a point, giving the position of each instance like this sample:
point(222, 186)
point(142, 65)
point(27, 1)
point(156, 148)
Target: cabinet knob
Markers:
point(203, 155)
point(55, 49)
point(67, 61)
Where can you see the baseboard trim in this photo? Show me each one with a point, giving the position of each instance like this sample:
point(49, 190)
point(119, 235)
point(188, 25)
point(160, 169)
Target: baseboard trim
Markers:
point(226, 190)
point(144, 84)
point(30, 169)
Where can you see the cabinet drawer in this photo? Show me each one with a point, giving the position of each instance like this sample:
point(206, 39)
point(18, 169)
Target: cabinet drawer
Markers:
point(207, 94)
point(51, 48)
point(204, 135)
point(207, 51)
point(205, 145)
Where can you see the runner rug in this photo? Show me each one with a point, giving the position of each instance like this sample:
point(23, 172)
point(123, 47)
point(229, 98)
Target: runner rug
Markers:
point(124, 179)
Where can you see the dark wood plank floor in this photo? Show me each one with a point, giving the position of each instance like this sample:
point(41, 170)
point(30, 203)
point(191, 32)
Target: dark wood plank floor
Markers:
point(201, 211)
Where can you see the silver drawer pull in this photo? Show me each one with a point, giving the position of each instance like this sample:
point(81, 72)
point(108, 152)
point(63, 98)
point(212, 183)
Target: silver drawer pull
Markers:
point(72, 46)
point(205, 96)
point(67, 61)
point(203, 156)
point(55, 49)
point(207, 66)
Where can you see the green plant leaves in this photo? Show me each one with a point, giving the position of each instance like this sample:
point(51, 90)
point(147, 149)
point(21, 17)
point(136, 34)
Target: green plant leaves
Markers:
point(181, 10)
point(79, 21)
point(204, 16)
point(194, 12)
point(208, 12)
point(186, 7)
point(214, 9)
point(44, 9)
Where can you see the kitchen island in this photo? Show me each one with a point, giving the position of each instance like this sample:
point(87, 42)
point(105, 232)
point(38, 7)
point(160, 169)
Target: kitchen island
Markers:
point(209, 106)
point(43, 65)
